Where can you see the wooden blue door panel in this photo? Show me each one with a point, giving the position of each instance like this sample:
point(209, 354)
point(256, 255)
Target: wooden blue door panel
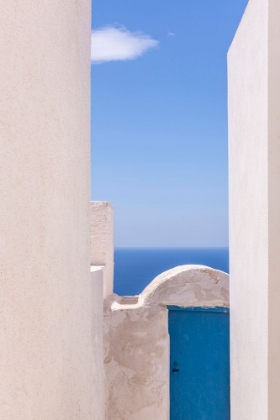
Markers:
point(199, 364)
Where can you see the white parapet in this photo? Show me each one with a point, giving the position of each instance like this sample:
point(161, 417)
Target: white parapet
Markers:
point(47, 362)
point(102, 241)
point(136, 339)
point(254, 156)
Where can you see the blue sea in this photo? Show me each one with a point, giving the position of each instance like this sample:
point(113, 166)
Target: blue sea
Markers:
point(135, 268)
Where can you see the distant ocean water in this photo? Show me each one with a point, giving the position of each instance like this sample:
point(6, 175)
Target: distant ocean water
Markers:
point(135, 268)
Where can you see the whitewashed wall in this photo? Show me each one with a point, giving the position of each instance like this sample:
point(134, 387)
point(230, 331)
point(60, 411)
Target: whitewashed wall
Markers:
point(254, 156)
point(102, 241)
point(98, 398)
point(47, 351)
point(136, 340)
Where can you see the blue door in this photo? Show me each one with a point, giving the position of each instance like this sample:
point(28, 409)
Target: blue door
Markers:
point(199, 364)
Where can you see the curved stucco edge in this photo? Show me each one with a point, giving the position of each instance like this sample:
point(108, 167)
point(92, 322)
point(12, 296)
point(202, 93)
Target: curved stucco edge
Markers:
point(184, 286)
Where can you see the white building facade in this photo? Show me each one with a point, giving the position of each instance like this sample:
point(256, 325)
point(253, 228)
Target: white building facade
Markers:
point(254, 160)
point(49, 341)
point(58, 360)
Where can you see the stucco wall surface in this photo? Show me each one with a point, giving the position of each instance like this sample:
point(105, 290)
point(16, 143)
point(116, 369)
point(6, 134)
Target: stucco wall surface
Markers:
point(273, 209)
point(254, 155)
point(47, 351)
point(136, 339)
point(96, 273)
point(102, 240)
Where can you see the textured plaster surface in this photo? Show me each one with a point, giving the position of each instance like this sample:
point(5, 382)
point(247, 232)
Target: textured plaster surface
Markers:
point(254, 156)
point(254, 193)
point(136, 339)
point(102, 241)
point(273, 209)
point(97, 339)
point(47, 351)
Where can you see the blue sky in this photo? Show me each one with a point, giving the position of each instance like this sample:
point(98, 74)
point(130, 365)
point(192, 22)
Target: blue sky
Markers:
point(159, 121)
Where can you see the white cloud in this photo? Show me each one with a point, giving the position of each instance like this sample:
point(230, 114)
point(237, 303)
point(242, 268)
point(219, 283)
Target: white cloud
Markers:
point(112, 43)
point(170, 33)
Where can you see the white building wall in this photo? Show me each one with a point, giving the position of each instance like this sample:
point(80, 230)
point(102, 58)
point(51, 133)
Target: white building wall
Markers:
point(136, 340)
point(102, 241)
point(98, 397)
point(273, 209)
point(254, 156)
point(47, 351)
